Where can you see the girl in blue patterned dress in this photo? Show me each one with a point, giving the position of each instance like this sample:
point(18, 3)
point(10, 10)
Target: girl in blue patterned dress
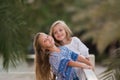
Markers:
point(57, 60)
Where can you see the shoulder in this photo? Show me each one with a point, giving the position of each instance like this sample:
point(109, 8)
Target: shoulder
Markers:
point(53, 57)
point(76, 39)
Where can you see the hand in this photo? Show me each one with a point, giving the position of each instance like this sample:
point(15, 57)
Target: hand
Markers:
point(87, 66)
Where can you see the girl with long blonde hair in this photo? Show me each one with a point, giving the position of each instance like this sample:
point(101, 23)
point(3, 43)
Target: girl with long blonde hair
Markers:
point(57, 60)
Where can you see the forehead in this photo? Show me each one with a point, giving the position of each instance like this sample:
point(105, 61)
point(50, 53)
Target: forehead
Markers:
point(58, 26)
point(42, 36)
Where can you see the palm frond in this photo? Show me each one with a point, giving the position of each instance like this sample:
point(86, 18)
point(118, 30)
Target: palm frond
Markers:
point(108, 34)
point(13, 33)
point(113, 64)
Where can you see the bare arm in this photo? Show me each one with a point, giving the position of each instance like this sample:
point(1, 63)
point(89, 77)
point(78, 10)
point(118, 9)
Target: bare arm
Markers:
point(84, 60)
point(79, 65)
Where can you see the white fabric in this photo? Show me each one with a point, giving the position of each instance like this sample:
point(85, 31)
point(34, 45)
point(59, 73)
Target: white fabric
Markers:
point(78, 47)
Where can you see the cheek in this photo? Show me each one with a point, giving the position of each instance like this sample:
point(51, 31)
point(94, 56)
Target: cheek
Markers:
point(53, 41)
point(55, 36)
point(46, 45)
point(64, 32)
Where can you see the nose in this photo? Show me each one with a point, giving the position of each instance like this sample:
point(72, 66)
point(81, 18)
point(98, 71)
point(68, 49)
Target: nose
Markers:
point(48, 37)
point(58, 32)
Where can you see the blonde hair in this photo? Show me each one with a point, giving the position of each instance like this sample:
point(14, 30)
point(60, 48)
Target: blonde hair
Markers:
point(66, 28)
point(42, 65)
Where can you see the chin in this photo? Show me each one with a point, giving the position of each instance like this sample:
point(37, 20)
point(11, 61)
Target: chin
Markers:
point(60, 39)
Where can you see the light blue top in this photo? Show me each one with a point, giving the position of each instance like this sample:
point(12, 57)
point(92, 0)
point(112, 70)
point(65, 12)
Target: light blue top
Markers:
point(59, 61)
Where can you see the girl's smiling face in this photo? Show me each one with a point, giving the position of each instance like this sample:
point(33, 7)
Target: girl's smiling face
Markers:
point(45, 40)
point(59, 32)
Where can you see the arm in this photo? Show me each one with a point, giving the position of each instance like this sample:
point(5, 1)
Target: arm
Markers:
point(84, 60)
point(74, 61)
point(78, 64)
point(80, 58)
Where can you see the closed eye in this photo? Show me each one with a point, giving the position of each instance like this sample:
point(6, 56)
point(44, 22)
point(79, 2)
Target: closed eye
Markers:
point(60, 30)
point(46, 39)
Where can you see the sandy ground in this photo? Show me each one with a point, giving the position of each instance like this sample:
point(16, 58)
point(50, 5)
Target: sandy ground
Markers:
point(25, 71)
point(17, 76)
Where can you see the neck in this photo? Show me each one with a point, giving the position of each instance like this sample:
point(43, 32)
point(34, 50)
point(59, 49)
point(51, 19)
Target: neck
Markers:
point(66, 41)
point(54, 49)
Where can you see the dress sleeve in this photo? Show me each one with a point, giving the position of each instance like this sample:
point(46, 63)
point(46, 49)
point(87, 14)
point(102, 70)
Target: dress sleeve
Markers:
point(82, 48)
point(74, 56)
point(60, 66)
point(54, 61)
point(64, 69)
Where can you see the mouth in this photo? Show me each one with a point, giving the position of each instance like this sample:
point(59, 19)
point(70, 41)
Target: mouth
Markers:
point(59, 36)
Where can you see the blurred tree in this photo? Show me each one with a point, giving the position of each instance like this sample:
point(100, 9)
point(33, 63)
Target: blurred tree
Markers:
point(21, 19)
point(101, 24)
point(42, 13)
point(113, 63)
point(14, 35)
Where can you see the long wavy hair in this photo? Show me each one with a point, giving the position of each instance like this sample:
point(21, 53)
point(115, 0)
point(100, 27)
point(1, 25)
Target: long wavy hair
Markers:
point(42, 65)
point(66, 28)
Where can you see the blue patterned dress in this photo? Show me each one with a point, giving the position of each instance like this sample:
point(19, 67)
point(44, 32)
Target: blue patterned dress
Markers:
point(59, 61)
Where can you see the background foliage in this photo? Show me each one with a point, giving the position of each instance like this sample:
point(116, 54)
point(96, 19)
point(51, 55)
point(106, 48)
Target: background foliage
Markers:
point(95, 22)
